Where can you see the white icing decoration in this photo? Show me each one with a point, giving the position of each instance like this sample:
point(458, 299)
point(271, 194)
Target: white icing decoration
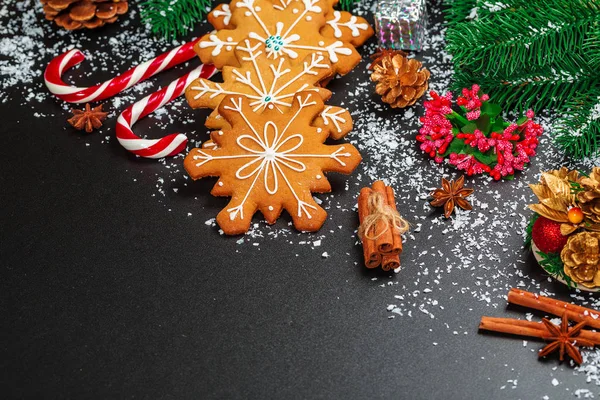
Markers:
point(225, 12)
point(354, 27)
point(318, 176)
point(283, 6)
point(271, 208)
point(309, 18)
point(333, 116)
point(220, 133)
point(220, 183)
point(319, 130)
point(270, 154)
point(277, 94)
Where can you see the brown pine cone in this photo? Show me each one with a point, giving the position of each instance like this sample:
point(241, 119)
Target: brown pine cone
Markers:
point(78, 14)
point(400, 81)
point(581, 258)
point(589, 198)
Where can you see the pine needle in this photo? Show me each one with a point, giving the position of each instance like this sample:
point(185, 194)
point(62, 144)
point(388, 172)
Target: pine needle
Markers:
point(172, 18)
point(347, 5)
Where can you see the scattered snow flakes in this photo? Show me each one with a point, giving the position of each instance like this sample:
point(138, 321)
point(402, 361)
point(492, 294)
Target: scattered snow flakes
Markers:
point(513, 383)
point(555, 382)
point(584, 394)
point(325, 255)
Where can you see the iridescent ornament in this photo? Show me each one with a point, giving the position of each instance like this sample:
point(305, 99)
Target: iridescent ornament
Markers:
point(401, 24)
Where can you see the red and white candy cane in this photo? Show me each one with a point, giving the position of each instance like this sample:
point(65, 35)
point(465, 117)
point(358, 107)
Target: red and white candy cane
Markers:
point(168, 145)
point(73, 94)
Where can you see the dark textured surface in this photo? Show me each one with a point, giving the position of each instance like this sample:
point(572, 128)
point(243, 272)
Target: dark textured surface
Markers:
point(110, 292)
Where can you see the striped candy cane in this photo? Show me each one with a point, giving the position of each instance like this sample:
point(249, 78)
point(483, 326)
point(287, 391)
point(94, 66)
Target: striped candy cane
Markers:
point(73, 94)
point(168, 145)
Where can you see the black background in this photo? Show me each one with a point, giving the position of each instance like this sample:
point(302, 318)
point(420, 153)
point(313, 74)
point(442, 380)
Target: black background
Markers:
point(112, 291)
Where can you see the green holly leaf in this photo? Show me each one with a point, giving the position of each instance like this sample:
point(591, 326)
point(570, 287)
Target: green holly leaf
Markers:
point(491, 109)
point(469, 128)
point(487, 158)
point(456, 146)
point(498, 126)
point(522, 120)
point(484, 124)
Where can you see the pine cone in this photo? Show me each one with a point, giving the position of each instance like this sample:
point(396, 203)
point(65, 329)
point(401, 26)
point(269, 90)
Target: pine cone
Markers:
point(589, 198)
point(400, 81)
point(581, 256)
point(77, 14)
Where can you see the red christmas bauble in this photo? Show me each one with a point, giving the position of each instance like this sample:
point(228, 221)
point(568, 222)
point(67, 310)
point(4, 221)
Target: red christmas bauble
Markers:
point(547, 237)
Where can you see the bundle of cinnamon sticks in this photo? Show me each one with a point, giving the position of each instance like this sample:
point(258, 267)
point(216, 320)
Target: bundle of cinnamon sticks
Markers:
point(381, 226)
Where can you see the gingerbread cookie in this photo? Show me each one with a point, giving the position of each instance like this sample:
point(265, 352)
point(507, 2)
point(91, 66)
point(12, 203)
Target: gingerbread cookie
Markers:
point(271, 84)
point(271, 161)
point(267, 83)
point(291, 29)
point(335, 122)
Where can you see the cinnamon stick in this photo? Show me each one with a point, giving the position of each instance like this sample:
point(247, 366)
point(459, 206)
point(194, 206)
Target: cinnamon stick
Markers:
point(390, 262)
point(385, 240)
point(396, 236)
point(371, 255)
point(555, 307)
point(527, 328)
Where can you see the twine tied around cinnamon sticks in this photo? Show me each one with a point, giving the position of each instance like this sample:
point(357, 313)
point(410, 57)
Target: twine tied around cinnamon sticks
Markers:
point(381, 226)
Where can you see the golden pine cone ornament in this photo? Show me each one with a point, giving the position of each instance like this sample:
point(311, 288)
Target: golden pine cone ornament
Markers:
point(78, 14)
point(589, 198)
point(581, 256)
point(400, 81)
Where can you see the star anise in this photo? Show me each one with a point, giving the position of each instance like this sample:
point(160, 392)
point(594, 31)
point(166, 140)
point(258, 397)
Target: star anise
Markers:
point(383, 53)
point(565, 340)
point(450, 195)
point(88, 119)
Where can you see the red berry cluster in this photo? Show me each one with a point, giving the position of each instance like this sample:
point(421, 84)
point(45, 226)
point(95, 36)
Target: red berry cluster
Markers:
point(498, 154)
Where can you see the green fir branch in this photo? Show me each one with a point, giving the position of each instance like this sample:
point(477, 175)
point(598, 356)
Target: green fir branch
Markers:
point(512, 39)
point(578, 131)
point(552, 264)
point(537, 91)
point(457, 11)
point(172, 18)
point(529, 231)
point(591, 46)
point(347, 5)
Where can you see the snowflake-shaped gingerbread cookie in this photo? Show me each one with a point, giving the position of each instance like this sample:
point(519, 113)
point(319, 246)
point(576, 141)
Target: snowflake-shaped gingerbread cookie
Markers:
point(291, 29)
point(268, 84)
point(270, 162)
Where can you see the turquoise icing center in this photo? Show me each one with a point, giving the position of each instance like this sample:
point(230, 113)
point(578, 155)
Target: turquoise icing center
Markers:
point(274, 42)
